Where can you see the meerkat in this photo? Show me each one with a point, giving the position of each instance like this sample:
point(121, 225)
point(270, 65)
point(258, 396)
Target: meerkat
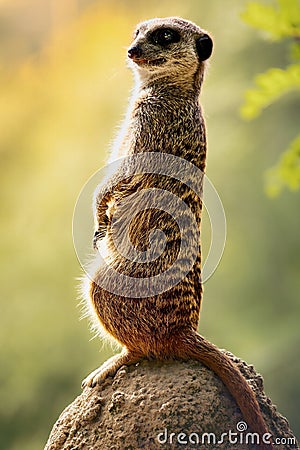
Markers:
point(168, 57)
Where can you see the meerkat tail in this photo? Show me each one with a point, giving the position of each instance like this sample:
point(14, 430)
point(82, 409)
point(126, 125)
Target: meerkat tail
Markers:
point(191, 345)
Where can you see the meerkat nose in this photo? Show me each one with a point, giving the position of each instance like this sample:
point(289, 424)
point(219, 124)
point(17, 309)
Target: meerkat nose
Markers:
point(135, 52)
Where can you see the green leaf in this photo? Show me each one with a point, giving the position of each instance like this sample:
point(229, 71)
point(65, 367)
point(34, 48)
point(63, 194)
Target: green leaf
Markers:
point(271, 85)
point(278, 21)
point(287, 172)
point(295, 50)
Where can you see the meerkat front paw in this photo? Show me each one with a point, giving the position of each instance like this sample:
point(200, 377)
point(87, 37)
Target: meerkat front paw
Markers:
point(98, 235)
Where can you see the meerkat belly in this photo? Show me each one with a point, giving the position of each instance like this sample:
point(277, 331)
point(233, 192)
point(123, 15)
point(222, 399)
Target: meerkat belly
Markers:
point(145, 323)
point(144, 241)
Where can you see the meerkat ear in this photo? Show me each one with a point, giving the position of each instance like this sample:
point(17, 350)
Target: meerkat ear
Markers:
point(204, 46)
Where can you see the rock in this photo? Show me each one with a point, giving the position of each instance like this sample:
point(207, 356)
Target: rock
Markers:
point(155, 405)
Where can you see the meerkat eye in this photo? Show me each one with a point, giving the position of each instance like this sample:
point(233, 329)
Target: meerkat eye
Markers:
point(135, 34)
point(165, 36)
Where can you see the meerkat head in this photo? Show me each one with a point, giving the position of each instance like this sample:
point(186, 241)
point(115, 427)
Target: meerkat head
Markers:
point(171, 46)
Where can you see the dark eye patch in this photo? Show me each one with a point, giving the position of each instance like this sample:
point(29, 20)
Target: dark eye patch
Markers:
point(164, 36)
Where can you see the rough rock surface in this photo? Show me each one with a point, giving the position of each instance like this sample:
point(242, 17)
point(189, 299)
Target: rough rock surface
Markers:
point(142, 405)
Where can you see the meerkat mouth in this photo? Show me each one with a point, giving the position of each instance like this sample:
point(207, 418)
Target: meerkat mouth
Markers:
point(149, 62)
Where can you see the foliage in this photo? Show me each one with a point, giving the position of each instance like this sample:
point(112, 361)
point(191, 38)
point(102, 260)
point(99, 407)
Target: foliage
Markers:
point(287, 171)
point(280, 22)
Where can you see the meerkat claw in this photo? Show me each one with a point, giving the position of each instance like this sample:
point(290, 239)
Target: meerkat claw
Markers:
point(95, 378)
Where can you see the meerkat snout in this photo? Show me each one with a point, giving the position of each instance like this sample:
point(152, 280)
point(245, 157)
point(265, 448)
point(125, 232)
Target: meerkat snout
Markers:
point(135, 52)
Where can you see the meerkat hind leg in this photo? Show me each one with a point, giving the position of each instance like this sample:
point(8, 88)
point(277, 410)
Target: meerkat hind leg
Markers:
point(110, 367)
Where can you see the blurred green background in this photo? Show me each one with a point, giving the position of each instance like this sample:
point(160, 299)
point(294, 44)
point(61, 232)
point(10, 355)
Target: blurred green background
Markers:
point(64, 88)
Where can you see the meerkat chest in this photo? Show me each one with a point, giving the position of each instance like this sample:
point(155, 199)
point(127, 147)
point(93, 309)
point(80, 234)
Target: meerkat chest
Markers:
point(169, 125)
